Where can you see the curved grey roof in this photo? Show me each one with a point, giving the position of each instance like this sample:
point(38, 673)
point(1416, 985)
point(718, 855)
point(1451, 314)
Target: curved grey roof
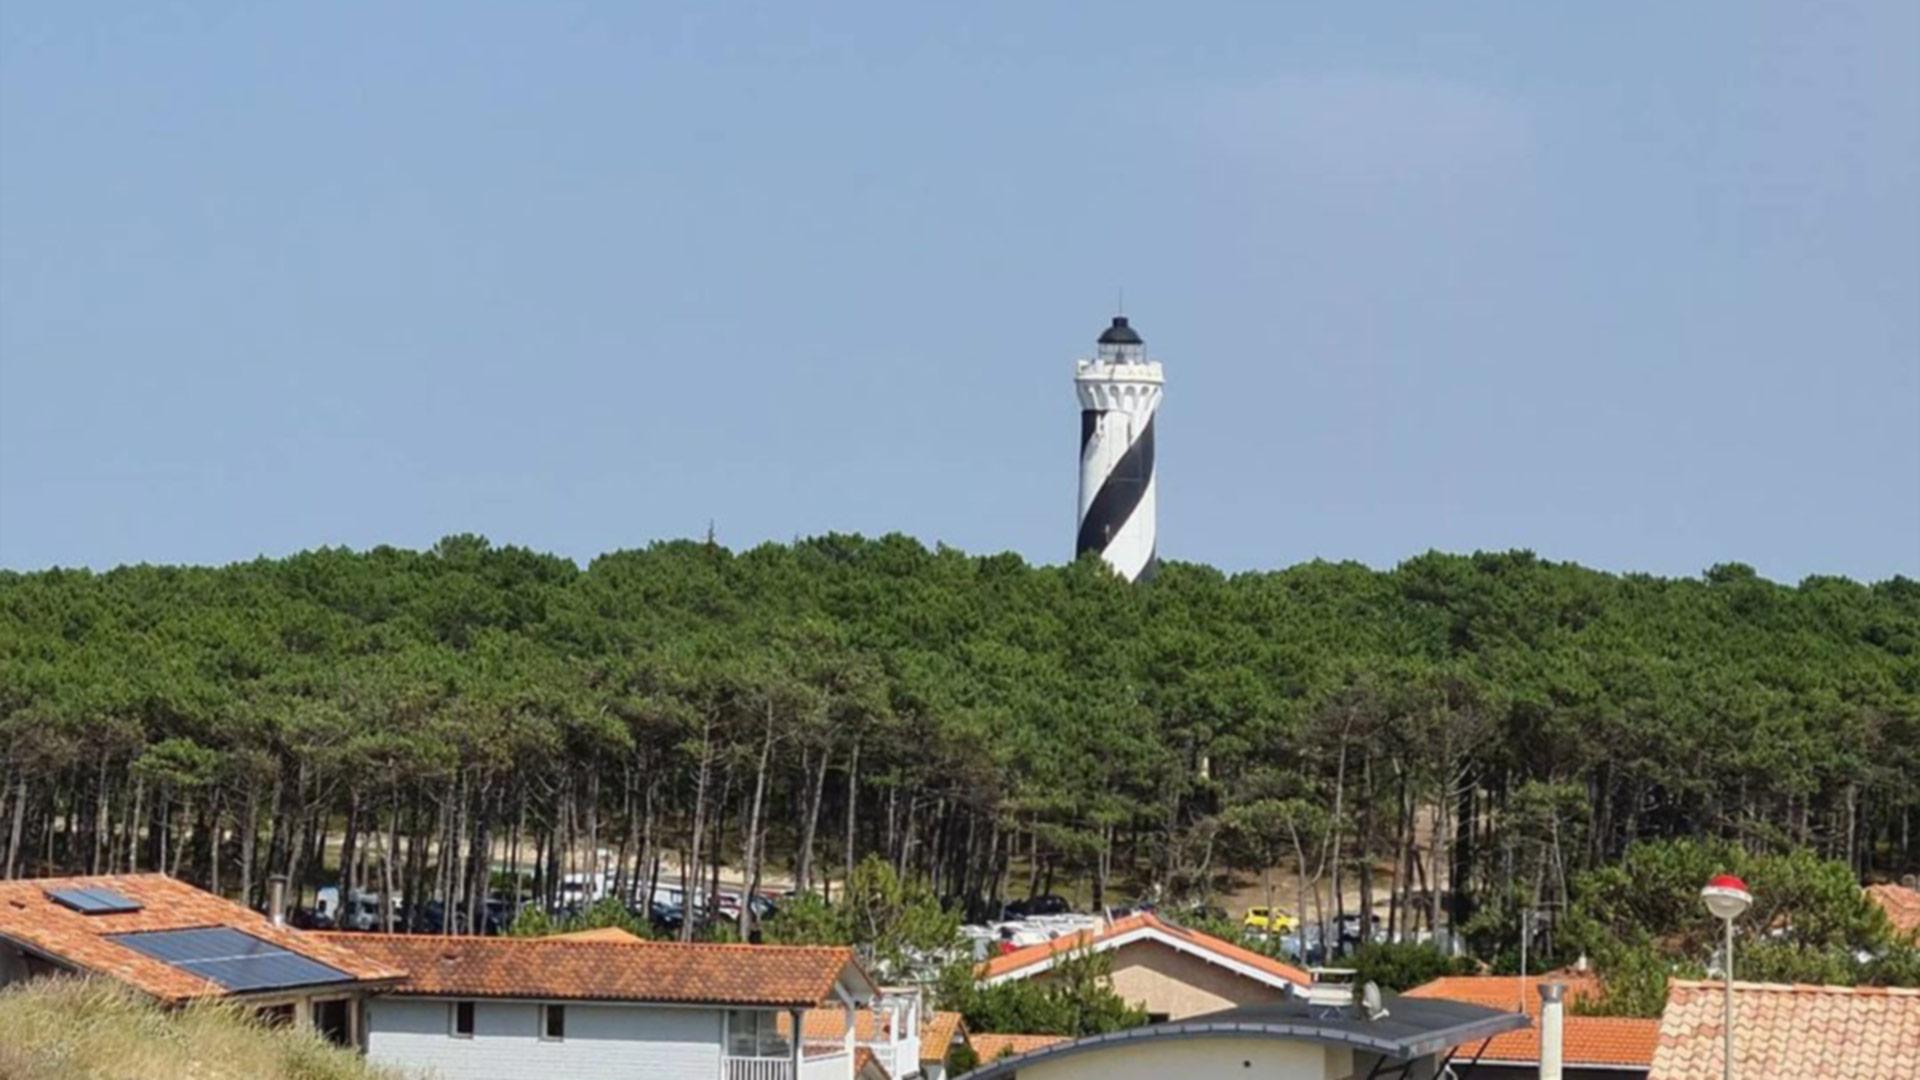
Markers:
point(1413, 1028)
point(1120, 333)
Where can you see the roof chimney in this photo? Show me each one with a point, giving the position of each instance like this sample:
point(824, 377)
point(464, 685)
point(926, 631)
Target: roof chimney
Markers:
point(1552, 1023)
point(277, 899)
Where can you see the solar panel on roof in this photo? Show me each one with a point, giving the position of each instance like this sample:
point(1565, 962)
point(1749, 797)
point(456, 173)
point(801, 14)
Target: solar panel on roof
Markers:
point(235, 960)
point(93, 900)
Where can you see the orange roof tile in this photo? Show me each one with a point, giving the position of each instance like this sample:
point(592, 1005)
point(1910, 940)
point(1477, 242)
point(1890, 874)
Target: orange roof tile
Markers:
point(865, 1065)
point(29, 918)
point(994, 1046)
point(824, 1025)
point(603, 933)
point(938, 1032)
point(766, 975)
point(1510, 992)
point(1804, 1032)
point(1901, 904)
point(1625, 1041)
point(937, 1029)
point(1140, 927)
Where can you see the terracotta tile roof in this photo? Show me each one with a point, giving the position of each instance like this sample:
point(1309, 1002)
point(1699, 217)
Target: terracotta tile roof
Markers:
point(1596, 1041)
point(937, 1029)
point(823, 1025)
point(992, 1047)
point(1509, 992)
point(764, 975)
point(1901, 904)
point(604, 933)
point(866, 1066)
point(32, 920)
point(1805, 1032)
point(1141, 927)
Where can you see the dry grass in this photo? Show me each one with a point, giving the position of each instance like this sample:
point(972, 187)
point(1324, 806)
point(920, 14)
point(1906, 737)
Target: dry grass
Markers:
point(74, 1029)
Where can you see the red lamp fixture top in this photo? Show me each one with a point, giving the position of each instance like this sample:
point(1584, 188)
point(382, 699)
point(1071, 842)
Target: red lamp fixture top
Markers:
point(1726, 896)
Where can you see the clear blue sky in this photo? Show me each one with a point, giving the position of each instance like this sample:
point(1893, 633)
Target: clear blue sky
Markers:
point(1632, 284)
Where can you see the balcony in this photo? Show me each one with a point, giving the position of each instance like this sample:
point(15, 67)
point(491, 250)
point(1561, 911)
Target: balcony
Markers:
point(818, 1062)
point(757, 1068)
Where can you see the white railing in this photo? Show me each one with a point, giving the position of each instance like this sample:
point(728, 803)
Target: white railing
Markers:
point(759, 1068)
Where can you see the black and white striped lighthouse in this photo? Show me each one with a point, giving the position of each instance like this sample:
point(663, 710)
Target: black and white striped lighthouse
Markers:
point(1119, 393)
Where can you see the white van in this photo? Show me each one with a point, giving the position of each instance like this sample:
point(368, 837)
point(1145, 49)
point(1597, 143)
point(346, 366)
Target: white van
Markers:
point(361, 913)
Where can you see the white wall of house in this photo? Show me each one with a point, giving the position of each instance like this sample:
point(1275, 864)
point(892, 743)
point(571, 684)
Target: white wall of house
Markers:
point(829, 1067)
point(1269, 1059)
point(603, 1042)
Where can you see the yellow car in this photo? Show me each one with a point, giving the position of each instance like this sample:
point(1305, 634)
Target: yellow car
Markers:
point(1269, 921)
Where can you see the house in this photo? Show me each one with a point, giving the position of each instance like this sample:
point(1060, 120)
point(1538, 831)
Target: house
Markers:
point(938, 1036)
point(1592, 1047)
point(587, 1007)
point(1902, 905)
point(177, 944)
point(989, 1048)
point(903, 1039)
point(1805, 1032)
point(1170, 971)
point(1291, 1039)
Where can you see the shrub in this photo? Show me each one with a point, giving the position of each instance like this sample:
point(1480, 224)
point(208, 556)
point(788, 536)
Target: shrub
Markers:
point(899, 928)
point(1075, 999)
point(1405, 965)
point(533, 922)
point(56, 1029)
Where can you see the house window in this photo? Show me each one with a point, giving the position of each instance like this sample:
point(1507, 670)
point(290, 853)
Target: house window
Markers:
point(332, 1019)
point(463, 1019)
point(753, 1033)
point(553, 1022)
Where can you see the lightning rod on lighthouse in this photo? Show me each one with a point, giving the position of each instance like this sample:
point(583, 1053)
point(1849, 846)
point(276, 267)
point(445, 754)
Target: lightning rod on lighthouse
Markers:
point(1119, 391)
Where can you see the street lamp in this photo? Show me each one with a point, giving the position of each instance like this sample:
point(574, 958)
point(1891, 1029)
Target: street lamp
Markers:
point(1727, 897)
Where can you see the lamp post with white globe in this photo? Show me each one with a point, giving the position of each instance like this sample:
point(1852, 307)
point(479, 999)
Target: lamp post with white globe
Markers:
point(1727, 897)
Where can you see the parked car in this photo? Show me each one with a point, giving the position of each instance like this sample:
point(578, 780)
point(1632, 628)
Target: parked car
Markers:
point(669, 918)
point(1351, 932)
point(1268, 920)
point(1202, 913)
point(360, 912)
point(431, 918)
point(1044, 904)
point(499, 914)
point(583, 890)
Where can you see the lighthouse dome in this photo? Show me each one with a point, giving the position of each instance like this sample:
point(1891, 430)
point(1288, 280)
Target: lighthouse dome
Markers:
point(1120, 333)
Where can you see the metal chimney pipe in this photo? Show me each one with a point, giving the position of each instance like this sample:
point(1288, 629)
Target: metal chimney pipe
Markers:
point(277, 899)
point(1552, 1027)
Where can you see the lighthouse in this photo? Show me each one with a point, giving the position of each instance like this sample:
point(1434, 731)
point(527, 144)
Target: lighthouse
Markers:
point(1119, 390)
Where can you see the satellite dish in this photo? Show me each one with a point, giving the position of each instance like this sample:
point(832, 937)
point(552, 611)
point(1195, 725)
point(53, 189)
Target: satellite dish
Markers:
point(1371, 1003)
